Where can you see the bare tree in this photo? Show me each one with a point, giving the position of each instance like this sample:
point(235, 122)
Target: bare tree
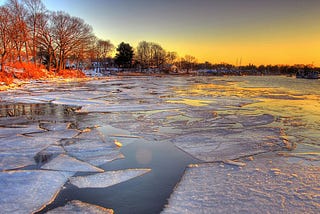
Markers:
point(4, 36)
point(35, 13)
point(45, 41)
point(158, 55)
point(104, 48)
point(18, 28)
point(150, 54)
point(69, 34)
point(171, 57)
point(144, 54)
point(188, 62)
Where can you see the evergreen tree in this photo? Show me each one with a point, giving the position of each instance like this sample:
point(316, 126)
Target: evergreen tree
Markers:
point(124, 55)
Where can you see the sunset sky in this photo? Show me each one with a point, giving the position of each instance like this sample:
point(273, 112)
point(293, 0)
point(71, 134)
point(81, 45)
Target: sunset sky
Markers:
point(255, 31)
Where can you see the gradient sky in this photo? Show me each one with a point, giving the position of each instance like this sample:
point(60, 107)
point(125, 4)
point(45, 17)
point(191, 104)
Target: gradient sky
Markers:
point(255, 31)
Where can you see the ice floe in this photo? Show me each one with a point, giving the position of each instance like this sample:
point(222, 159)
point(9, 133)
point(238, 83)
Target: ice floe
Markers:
point(125, 108)
point(75, 207)
point(23, 143)
point(54, 126)
point(252, 120)
point(67, 163)
point(268, 184)
point(68, 133)
point(108, 131)
point(19, 151)
point(222, 144)
point(106, 179)
point(28, 191)
point(118, 136)
point(93, 151)
point(48, 153)
point(77, 102)
point(15, 160)
point(18, 130)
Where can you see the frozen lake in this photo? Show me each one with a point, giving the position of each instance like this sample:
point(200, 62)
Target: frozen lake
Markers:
point(161, 144)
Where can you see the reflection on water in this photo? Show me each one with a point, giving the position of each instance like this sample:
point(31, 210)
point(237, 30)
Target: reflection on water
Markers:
point(32, 110)
point(191, 102)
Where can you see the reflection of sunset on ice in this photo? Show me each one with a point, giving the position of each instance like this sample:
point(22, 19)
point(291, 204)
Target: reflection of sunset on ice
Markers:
point(117, 143)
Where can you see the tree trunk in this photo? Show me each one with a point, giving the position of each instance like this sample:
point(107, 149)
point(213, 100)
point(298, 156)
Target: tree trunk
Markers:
point(34, 46)
point(49, 60)
point(27, 54)
point(2, 61)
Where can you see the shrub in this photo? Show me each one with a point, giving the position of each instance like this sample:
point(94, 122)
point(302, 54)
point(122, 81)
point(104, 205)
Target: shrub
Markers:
point(28, 70)
point(71, 74)
point(6, 78)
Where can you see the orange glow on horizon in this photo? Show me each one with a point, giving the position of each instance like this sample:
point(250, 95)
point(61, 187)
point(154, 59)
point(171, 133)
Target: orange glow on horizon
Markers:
point(288, 51)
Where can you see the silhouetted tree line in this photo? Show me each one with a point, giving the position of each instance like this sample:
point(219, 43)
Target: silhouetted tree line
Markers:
point(228, 69)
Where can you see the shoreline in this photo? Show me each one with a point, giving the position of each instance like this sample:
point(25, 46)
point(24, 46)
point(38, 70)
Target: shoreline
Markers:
point(19, 83)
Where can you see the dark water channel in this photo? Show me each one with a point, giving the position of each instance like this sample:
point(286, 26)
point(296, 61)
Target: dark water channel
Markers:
point(144, 194)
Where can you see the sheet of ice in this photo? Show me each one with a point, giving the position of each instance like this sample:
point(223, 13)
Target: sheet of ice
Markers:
point(28, 191)
point(93, 151)
point(108, 131)
point(160, 114)
point(15, 160)
point(22, 150)
point(23, 143)
point(124, 108)
point(54, 126)
point(19, 151)
point(268, 184)
point(21, 129)
point(48, 154)
point(75, 207)
point(97, 158)
point(252, 120)
point(33, 100)
point(192, 102)
point(92, 134)
point(113, 135)
point(68, 133)
point(230, 101)
point(92, 147)
point(128, 140)
point(106, 179)
point(222, 144)
point(69, 164)
point(77, 102)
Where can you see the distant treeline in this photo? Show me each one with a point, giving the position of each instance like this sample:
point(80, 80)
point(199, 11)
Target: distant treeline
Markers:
point(228, 69)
